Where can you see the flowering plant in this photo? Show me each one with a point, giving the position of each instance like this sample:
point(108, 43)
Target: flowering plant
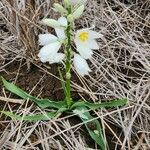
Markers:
point(85, 42)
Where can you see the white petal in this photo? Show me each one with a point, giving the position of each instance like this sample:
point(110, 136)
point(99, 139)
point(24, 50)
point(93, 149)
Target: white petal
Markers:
point(84, 51)
point(81, 65)
point(82, 30)
point(50, 22)
point(60, 33)
point(48, 51)
point(61, 30)
point(58, 57)
point(95, 35)
point(92, 34)
point(45, 39)
point(63, 21)
point(78, 12)
point(92, 44)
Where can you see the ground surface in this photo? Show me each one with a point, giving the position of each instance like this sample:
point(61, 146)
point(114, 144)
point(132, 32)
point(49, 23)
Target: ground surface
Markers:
point(121, 68)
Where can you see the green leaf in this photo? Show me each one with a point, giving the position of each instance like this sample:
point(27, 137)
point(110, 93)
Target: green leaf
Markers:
point(43, 103)
point(93, 127)
point(38, 117)
point(112, 103)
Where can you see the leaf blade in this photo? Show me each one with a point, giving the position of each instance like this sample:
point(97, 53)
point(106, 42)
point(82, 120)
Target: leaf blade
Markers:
point(112, 103)
point(37, 117)
point(42, 103)
point(96, 136)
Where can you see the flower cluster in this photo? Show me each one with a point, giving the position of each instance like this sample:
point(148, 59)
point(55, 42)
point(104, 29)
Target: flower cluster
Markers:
point(51, 43)
point(84, 39)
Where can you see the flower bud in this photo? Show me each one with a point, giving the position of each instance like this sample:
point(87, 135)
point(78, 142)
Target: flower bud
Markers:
point(67, 3)
point(50, 22)
point(70, 18)
point(59, 8)
point(68, 75)
point(78, 12)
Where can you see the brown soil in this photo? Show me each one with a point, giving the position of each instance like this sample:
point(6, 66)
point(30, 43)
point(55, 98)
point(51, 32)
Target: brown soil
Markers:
point(27, 79)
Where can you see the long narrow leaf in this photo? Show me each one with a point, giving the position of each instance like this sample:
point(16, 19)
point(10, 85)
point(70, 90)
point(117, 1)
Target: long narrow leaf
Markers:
point(43, 103)
point(93, 127)
point(113, 103)
point(38, 117)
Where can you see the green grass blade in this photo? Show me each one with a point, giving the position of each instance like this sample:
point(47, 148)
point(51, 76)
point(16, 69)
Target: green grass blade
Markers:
point(14, 89)
point(46, 103)
point(38, 117)
point(112, 103)
point(43, 103)
point(93, 127)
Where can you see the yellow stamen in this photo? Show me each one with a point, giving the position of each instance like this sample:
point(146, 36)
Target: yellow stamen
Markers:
point(83, 36)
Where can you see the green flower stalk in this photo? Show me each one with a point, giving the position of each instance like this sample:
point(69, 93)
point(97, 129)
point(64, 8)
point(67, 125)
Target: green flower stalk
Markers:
point(84, 39)
point(68, 51)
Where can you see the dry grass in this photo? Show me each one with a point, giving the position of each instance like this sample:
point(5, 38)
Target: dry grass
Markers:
point(121, 68)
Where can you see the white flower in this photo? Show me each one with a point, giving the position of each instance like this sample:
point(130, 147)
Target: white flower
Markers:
point(49, 53)
point(60, 30)
point(61, 22)
point(81, 65)
point(85, 40)
point(51, 44)
point(76, 2)
point(78, 12)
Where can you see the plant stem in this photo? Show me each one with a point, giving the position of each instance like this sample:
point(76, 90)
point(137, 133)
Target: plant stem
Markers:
point(68, 63)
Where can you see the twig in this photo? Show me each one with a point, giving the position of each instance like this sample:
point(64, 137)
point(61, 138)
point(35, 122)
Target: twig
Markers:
point(19, 101)
point(139, 142)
